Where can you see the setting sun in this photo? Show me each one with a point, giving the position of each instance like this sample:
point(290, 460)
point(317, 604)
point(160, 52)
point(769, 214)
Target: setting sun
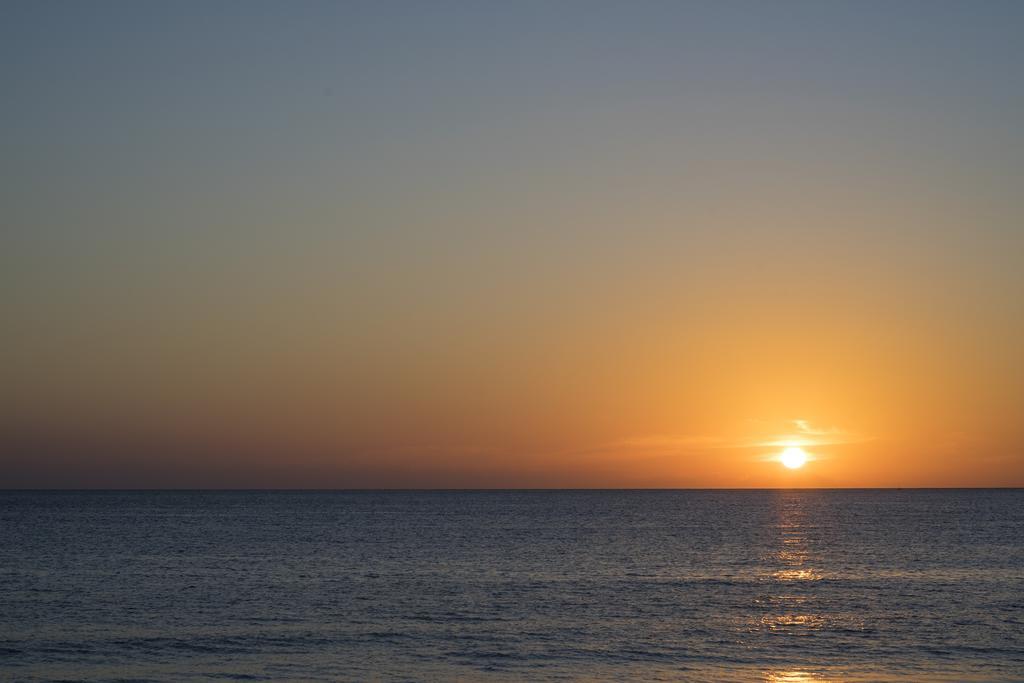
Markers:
point(793, 457)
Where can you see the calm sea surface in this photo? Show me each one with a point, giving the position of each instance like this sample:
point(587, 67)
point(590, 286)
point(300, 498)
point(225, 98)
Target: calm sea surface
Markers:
point(516, 585)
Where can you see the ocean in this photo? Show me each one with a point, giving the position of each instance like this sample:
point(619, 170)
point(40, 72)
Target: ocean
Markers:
point(773, 585)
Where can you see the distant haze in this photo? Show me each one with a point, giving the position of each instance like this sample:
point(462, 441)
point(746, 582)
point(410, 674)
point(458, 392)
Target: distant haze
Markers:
point(515, 244)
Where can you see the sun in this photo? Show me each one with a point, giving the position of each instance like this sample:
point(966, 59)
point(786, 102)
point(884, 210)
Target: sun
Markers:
point(793, 457)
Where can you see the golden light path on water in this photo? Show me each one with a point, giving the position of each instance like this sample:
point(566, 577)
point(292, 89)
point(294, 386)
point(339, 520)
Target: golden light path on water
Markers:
point(794, 677)
point(789, 609)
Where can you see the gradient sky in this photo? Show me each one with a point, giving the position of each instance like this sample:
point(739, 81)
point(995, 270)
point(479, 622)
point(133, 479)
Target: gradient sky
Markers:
point(511, 244)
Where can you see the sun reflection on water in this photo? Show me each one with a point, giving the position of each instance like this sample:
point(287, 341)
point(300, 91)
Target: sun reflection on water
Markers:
point(812, 622)
point(796, 575)
point(792, 560)
point(792, 607)
point(789, 573)
point(795, 677)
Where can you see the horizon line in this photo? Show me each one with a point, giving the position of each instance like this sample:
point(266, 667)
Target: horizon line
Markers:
point(499, 489)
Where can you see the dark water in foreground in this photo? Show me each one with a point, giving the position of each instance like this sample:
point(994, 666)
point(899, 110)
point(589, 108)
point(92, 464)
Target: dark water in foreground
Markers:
point(652, 585)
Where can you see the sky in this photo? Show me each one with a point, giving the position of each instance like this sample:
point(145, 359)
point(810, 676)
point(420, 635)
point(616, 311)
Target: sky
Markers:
point(511, 244)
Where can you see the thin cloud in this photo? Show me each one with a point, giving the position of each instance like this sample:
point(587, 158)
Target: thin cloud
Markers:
point(798, 433)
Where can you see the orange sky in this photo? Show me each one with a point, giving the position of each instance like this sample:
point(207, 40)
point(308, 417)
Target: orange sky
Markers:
point(513, 248)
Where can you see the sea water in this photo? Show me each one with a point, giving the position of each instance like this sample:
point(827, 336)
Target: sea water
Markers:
point(799, 585)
